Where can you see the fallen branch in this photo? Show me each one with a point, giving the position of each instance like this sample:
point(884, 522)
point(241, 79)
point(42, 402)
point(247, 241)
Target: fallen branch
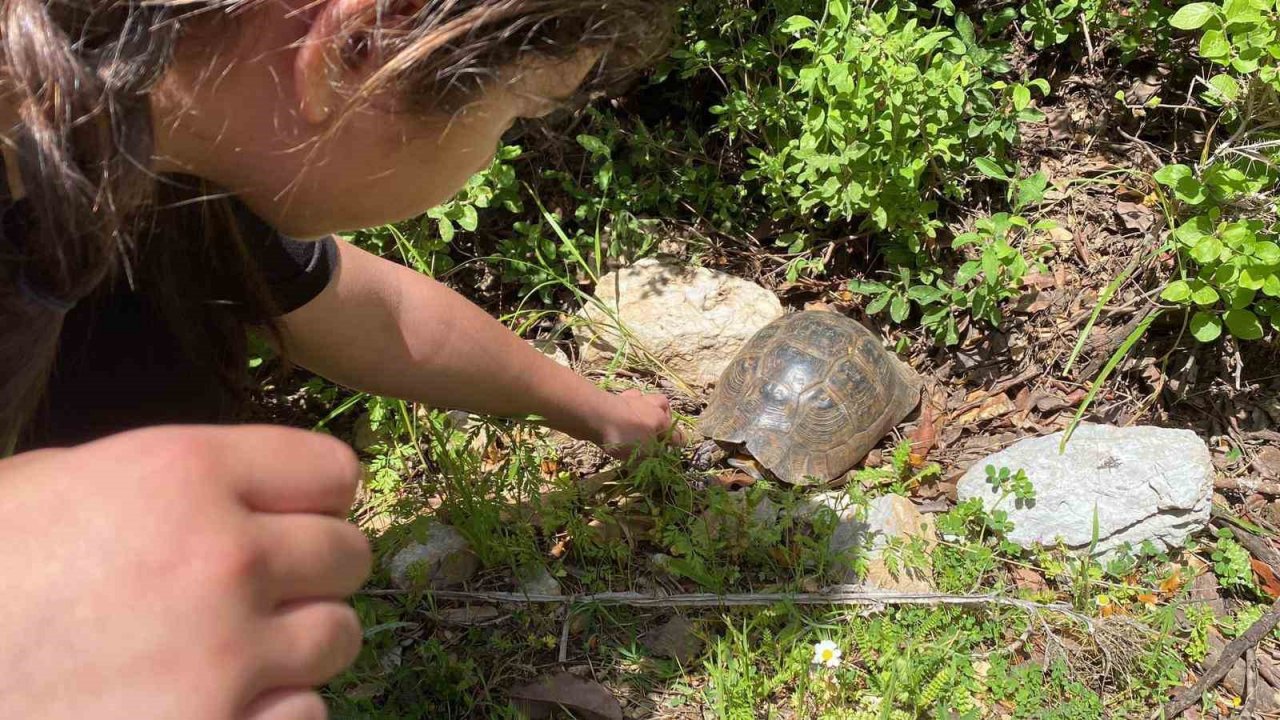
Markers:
point(839, 595)
point(1230, 654)
point(1261, 487)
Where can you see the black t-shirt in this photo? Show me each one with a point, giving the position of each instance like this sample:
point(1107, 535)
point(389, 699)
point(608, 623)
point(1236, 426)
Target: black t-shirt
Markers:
point(120, 365)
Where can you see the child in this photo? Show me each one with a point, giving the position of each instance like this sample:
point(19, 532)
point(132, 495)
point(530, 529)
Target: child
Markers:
point(176, 172)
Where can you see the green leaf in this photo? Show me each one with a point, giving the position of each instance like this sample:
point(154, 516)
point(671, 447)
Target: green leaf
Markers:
point(1205, 327)
point(1240, 297)
point(867, 287)
point(1267, 252)
point(1241, 11)
point(899, 309)
point(989, 167)
point(1226, 86)
point(1207, 249)
point(446, 229)
point(877, 305)
point(1243, 324)
point(1171, 175)
point(470, 218)
point(1193, 16)
point(926, 295)
point(1190, 232)
point(1271, 286)
point(593, 145)
point(1021, 97)
point(1204, 295)
point(796, 24)
point(1177, 291)
point(1214, 45)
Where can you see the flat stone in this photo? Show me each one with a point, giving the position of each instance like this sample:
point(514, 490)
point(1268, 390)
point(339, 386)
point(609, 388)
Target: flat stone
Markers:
point(690, 320)
point(1141, 483)
point(887, 517)
point(540, 581)
point(675, 639)
point(443, 561)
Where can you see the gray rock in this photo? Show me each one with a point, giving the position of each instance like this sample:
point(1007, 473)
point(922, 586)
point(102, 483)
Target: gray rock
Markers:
point(691, 320)
point(538, 582)
point(886, 517)
point(443, 561)
point(676, 639)
point(1144, 483)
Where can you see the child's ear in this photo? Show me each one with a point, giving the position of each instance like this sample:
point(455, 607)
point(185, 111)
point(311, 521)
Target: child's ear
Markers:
point(322, 62)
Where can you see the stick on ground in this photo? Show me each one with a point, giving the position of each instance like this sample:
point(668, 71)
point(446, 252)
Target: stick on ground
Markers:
point(1230, 654)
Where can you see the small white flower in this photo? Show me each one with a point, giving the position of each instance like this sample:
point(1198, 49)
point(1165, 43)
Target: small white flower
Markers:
point(826, 653)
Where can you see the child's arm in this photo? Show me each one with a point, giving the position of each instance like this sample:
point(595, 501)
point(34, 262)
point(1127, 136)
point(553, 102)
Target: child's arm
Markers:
point(385, 329)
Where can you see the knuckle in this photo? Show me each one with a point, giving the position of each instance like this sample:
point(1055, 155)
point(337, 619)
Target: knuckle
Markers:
point(362, 551)
point(336, 642)
point(233, 562)
point(345, 464)
point(348, 636)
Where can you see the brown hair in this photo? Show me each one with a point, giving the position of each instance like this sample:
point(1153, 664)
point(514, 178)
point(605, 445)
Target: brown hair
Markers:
point(79, 73)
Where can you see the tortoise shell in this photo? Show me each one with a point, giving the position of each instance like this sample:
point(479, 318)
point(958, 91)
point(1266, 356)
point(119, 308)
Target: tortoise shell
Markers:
point(810, 395)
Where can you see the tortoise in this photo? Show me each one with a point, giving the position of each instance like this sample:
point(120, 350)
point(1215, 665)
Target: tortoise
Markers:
point(809, 395)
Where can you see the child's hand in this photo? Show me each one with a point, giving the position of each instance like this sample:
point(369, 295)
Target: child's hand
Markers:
point(637, 421)
point(186, 572)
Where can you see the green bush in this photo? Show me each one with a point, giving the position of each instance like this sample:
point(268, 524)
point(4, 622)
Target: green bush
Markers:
point(852, 114)
point(1226, 236)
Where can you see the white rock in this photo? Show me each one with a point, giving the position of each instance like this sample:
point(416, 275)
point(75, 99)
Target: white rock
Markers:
point(444, 560)
point(1143, 483)
point(887, 517)
point(692, 320)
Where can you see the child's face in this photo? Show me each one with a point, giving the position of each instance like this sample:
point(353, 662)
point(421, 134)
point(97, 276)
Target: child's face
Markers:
point(246, 130)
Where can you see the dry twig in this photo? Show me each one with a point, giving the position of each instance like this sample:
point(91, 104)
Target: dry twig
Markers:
point(838, 595)
point(1230, 654)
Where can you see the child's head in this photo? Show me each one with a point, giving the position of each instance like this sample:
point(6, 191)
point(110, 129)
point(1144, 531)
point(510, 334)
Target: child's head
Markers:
point(322, 115)
point(341, 114)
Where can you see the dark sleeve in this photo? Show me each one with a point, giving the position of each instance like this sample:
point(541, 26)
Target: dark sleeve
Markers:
point(296, 271)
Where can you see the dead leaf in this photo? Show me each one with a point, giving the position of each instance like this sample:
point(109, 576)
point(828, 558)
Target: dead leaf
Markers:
point(1033, 302)
point(1023, 400)
point(1061, 237)
point(732, 481)
point(1171, 584)
point(1040, 281)
point(1135, 216)
point(1028, 579)
point(1267, 462)
point(585, 699)
point(991, 408)
point(1269, 583)
point(925, 436)
point(1059, 121)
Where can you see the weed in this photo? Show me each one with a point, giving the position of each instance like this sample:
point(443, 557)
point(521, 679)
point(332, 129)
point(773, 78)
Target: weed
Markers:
point(1231, 565)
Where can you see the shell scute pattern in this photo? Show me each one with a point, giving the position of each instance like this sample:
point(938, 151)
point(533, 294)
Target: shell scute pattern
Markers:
point(810, 395)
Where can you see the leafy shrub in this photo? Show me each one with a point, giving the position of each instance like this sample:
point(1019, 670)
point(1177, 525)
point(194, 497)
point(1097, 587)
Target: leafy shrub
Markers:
point(1227, 235)
point(993, 263)
point(868, 111)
